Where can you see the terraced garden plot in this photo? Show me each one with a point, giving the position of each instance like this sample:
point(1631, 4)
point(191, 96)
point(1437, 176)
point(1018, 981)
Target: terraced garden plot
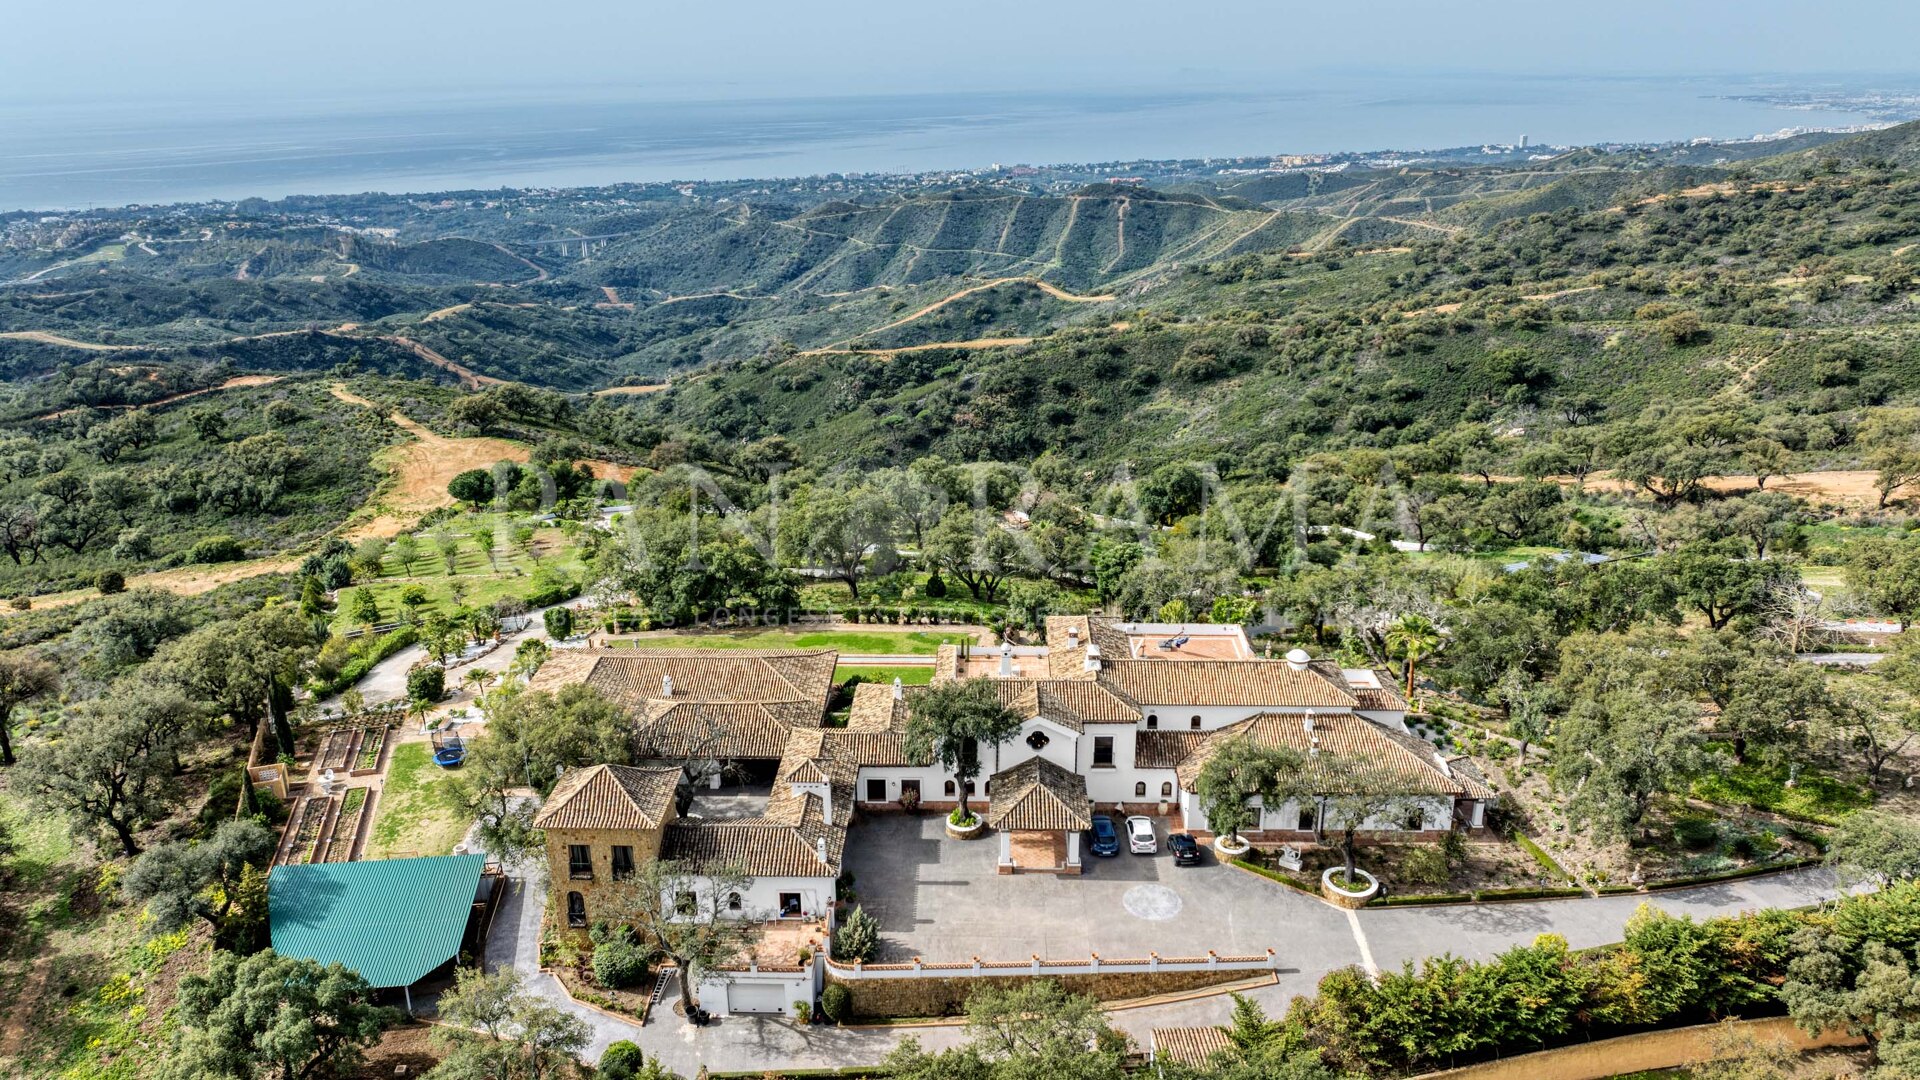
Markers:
point(346, 825)
point(373, 739)
point(337, 750)
point(309, 819)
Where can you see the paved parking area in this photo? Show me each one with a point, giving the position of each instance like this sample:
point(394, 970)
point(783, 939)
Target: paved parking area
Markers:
point(942, 900)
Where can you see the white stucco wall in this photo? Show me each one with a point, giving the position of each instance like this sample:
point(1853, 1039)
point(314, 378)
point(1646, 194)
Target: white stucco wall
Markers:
point(761, 900)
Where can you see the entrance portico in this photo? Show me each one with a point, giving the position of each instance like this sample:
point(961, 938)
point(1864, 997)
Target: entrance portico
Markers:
point(1040, 810)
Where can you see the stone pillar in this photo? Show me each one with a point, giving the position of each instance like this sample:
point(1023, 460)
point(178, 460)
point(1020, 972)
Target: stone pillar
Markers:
point(1073, 849)
point(1006, 852)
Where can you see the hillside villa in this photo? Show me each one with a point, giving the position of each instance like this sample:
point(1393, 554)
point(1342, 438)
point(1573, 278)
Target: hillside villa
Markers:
point(1117, 716)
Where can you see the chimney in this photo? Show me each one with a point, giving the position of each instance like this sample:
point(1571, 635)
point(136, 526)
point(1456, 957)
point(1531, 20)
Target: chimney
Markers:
point(820, 850)
point(666, 686)
point(1073, 637)
point(1445, 769)
point(1298, 659)
point(1006, 660)
point(1092, 659)
point(898, 691)
point(1308, 723)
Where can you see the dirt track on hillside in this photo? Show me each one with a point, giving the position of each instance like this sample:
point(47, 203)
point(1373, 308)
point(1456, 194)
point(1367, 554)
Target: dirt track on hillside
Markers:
point(47, 338)
point(236, 381)
point(615, 391)
point(1847, 487)
point(419, 470)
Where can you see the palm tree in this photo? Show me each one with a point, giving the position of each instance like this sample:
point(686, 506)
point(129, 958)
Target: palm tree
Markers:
point(478, 679)
point(1416, 638)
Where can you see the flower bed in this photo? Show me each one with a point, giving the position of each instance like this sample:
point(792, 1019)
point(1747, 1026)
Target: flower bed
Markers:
point(346, 825)
point(372, 741)
point(634, 1001)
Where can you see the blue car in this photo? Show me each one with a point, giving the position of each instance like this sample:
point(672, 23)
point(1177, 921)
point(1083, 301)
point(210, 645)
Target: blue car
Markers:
point(1106, 839)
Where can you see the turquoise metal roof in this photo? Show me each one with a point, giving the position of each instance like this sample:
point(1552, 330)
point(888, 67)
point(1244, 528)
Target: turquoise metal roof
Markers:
point(392, 920)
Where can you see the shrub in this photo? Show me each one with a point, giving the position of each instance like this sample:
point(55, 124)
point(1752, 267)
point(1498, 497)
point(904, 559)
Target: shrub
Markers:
point(426, 682)
point(1696, 833)
point(936, 590)
point(803, 1011)
point(1424, 866)
point(909, 799)
point(559, 623)
point(216, 549)
point(962, 819)
point(837, 1002)
point(110, 582)
point(618, 964)
point(857, 939)
point(622, 1061)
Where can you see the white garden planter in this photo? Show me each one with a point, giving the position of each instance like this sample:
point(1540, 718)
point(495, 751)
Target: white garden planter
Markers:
point(1345, 896)
point(970, 832)
point(1224, 845)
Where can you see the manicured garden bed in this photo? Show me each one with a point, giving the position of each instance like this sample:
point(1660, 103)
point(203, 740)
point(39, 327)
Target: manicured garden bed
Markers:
point(346, 825)
point(372, 740)
point(308, 820)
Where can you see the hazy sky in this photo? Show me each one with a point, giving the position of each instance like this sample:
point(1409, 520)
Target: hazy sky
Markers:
point(238, 52)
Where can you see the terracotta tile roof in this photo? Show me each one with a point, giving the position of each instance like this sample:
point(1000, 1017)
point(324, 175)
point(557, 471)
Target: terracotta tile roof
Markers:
point(1352, 751)
point(611, 797)
point(1270, 683)
point(786, 842)
point(1190, 1046)
point(1037, 794)
point(1165, 749)
point(1379, 699)
point(1067, 640)
point(709, 729)
point(707, 702)
point(876, 709)
point(712, 675)
point(1372, 688)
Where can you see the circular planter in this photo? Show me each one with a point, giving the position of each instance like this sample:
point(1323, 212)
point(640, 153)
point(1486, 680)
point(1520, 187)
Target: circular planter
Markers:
point(1224, 846)
point(971, 832)
point(1348, 898)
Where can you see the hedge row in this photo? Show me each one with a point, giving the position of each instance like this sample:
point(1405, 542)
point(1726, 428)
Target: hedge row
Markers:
point(370, 652)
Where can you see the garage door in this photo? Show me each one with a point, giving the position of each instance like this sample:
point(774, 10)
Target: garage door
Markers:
point(756, 998)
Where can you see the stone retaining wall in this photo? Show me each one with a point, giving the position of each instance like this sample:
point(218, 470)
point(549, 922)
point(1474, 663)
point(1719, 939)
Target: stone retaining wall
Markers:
point(947, 996)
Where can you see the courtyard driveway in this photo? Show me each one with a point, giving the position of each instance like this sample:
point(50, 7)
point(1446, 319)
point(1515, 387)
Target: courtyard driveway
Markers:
point(942, 900)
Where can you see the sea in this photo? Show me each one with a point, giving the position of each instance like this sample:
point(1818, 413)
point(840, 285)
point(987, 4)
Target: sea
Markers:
point(73, 156)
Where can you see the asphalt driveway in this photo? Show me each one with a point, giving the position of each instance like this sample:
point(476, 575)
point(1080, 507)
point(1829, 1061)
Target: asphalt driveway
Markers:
point(941, 899)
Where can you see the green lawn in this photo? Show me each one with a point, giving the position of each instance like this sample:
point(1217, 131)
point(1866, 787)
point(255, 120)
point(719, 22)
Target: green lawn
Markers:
point(411, 817)
point(908, 676)
point(877, 642)
point(1814, 796)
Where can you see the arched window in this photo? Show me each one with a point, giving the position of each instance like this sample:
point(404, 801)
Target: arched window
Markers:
point(1166, 790)
point(1140, 790)
point(970, 787)
point(987, 788)
point(576, 910)
point(950, 787)
point(1153, 722)
point(733, 901)
point(1194, 723)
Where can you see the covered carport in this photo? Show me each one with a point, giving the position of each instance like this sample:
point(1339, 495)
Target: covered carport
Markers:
point(395, 921)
